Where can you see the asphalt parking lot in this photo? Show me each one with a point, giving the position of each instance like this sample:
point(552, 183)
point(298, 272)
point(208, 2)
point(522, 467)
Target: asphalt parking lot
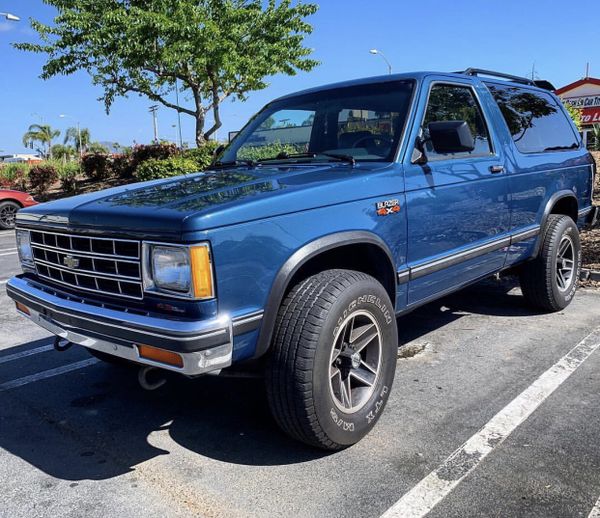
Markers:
point(489, 416)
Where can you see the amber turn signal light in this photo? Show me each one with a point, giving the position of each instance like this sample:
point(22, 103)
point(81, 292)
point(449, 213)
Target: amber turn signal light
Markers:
point(160, 355)
point(202, 278)
point(22, 308)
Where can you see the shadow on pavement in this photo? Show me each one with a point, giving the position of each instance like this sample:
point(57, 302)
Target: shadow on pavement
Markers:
point(96, 423)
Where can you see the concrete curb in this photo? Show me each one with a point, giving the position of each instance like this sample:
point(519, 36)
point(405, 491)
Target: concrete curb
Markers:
point(589, 275)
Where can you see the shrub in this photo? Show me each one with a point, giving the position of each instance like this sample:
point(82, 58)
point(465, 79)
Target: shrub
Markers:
point(14, 176)
point(141, 153)
point(41, 177)
point(122, 166)
point(153, 169)
point(68, 176)
point(96, 166)
point(268, 150)
point(203, 156)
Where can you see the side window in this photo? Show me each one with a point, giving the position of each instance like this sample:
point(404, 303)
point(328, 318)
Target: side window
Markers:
point(534, 119)
point(452, 103)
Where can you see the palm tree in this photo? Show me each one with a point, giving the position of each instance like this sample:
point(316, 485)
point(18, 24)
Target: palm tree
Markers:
point(596, 132)
point(73, 135)
point(42, 133)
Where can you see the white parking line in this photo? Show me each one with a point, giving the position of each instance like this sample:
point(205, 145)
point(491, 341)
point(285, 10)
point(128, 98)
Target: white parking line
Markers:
point(3, 282)
point(23, 354)
point(439, 483)
point(8, 253)
point(7, 249)
point(46, 374)
point(596, 510)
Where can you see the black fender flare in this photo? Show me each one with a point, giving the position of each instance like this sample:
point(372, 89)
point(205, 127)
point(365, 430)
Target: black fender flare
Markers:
point(296, 261)
point(558, 195)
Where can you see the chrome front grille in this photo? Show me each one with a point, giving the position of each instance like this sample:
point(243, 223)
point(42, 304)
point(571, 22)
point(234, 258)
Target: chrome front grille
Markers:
point(95, 264)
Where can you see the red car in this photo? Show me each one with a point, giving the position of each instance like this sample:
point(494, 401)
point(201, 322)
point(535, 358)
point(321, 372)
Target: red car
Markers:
point(10, 203)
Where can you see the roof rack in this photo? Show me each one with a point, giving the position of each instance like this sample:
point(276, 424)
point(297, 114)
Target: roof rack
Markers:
point(541, 83)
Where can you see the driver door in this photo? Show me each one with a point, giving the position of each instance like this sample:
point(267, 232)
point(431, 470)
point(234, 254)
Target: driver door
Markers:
point(457, 204)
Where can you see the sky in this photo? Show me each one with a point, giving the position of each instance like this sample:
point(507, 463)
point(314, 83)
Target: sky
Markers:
point(509, 35)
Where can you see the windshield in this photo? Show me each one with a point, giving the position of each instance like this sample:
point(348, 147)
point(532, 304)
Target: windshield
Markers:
point(354, 123)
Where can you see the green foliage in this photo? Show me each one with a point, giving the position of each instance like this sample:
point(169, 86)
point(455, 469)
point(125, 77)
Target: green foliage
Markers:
point(14, 176)
point(175, 166)
point(596, 133)
point(96, 147)
point(203, 155)
point(61, 152)
point(575, 114)
point(268, 151)
point(210, 49)
point(74, 135)
point(43, 134)
point(41, 177)
point(68, 174)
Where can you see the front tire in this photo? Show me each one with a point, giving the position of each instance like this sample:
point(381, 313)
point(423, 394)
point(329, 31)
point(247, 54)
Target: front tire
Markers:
point(8, 213)
point(549, 281)
point(333, 358)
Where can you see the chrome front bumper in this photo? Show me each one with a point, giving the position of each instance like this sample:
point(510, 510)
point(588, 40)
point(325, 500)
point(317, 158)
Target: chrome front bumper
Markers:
point(204, 346)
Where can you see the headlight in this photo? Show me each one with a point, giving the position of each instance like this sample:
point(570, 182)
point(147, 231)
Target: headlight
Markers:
point(178, 270)
point(24, 248)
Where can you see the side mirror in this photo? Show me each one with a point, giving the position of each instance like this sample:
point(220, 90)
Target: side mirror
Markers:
point(451, 137)
point(219, 150)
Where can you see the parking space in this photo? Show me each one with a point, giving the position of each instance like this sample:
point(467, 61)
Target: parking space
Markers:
point(79, 437)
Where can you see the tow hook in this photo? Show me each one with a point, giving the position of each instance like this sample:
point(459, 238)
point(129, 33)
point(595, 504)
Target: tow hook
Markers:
point(145, 383)
point(61, 345)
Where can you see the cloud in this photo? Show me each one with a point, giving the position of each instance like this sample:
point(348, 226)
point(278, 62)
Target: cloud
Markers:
point(5, 27)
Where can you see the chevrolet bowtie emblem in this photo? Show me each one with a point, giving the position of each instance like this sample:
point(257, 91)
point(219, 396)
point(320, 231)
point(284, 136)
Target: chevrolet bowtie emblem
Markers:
point(70, 262)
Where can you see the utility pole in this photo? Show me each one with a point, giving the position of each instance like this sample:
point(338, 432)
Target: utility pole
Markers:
point(153, 109)
point(587, 70)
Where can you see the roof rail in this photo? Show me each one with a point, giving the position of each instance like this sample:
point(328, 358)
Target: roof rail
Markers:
point(540, 83)
point(481, 71)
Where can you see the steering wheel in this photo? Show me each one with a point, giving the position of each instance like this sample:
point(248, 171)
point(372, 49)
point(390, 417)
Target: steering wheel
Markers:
point(382, 139)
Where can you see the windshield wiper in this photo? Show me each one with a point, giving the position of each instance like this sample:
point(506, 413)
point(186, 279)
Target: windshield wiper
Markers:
point(232, 163)
point(287, 156)
point(558, 148)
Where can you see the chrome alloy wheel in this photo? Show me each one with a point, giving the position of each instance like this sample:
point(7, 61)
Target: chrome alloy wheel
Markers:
point(565, 263)
point(8, 214)
point(355, 361)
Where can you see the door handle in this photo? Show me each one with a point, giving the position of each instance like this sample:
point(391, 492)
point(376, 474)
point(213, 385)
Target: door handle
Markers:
point(494, 169)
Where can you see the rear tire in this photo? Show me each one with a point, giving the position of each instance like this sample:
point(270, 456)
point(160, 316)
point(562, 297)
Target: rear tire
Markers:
point(333, 358)
point(8, 212)
point(549, 281)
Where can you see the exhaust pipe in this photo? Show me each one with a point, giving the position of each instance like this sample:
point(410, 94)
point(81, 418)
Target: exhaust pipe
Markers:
point(145, 383)
point(61, 345)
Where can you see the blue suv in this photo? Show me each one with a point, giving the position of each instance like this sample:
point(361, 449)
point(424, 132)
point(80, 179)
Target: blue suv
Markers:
point(333, 211)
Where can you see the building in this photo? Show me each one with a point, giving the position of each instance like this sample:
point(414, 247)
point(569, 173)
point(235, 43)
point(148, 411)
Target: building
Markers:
point(20, 157)
point(585, 95)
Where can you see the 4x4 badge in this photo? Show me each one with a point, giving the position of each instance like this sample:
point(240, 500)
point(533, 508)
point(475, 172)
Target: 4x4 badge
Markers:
point(384, 208)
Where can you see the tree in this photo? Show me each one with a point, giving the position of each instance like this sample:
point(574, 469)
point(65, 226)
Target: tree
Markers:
point(43, 134)
point(575, 114)
point(96, 147)
point(211, 50)
point(62, 152)
point(73, 135)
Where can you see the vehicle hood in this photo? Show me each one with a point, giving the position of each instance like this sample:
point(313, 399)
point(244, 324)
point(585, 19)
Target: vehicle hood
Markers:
point(207, 200)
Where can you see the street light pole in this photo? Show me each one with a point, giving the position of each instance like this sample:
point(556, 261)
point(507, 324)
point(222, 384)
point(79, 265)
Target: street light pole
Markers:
point(153, 109)
point(63, 116)
point(378, 52)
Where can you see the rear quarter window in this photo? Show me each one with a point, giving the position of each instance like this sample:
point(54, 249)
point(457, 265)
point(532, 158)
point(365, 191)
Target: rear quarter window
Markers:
point(535, 120)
